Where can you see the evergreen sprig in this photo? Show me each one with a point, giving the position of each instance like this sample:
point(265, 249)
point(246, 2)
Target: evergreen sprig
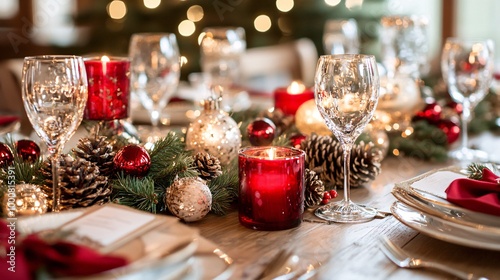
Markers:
point(224, 189)
point(475, 171)
point(135, 192)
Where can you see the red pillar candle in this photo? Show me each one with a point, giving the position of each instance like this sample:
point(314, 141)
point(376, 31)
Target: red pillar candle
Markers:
point(108, 87)
point(289, 99)
point(271, 191)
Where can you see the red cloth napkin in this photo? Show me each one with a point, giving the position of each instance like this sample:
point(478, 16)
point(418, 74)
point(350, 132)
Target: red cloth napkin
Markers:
point(477, 195)
point(5, 120)
point(59, 259)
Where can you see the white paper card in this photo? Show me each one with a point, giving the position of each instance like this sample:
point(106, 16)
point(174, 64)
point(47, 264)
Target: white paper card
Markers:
point(108, 224)
point(438, 182)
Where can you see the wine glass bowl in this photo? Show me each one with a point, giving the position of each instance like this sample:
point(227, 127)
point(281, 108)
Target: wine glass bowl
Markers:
point(54, 91)
point(154, 71)
point(346, 94)
point(467, 68)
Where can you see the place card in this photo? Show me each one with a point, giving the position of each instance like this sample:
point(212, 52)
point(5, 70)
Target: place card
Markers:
point(110, 226)
point(437, 182)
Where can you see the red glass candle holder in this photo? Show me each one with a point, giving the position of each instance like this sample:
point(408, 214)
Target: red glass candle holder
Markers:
point(108, 88)
point(289, 99)
point(271, 191)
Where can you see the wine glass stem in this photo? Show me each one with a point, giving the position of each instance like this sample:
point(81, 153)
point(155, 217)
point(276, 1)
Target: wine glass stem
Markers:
point(466, 111)
point(347, 173)
point(155, 118)
point(56, 191)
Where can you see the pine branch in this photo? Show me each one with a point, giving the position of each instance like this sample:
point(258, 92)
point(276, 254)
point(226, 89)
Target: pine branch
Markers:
point(282, 140)
point(167, 152)
point(475, 171)
point(135, 192)
point(224, 189)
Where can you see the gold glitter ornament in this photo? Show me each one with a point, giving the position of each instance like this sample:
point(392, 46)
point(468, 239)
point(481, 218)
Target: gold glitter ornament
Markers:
point(26, 199)
point(189, 199)
point(214, 132)
point(308, 120)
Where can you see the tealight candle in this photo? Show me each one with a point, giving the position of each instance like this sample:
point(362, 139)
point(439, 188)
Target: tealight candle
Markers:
point(271, 191)
point(289, 99)
point(108, 88)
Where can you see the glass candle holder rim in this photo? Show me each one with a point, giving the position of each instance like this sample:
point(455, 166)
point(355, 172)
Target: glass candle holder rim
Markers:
point(154, 35)
point(294, 153)
point(51, 57)
point(112, 58)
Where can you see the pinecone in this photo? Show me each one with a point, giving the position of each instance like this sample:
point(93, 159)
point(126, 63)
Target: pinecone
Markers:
point(97, 150)
point(208, 166)
point(314, 188)
point(81, 184)
point(324, 155)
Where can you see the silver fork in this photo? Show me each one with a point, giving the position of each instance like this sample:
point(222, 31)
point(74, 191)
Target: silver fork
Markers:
point(402, 259)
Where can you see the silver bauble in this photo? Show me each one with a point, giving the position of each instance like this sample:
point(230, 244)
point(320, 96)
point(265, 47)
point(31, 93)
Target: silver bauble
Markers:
point(189, 199)
point(214, 132)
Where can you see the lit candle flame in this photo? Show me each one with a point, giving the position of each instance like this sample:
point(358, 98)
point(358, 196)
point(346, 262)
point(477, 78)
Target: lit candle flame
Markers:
point(296, 87)
point(105, 58)
point(271, 153)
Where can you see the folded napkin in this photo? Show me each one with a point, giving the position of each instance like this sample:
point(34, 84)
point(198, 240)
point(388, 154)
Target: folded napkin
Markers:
point(5, 120)
point(59, 258)
point(477, 195)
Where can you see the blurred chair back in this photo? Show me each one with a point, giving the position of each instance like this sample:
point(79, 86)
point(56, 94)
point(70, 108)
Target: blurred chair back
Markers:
point(266, 68)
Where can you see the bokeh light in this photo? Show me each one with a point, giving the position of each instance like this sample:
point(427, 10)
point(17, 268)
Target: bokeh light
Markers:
point(284, 5)
point(116, 9)
point(332, 3)
point(186, 28)
point(195, 13)
point(151, 4)
point(262, 23)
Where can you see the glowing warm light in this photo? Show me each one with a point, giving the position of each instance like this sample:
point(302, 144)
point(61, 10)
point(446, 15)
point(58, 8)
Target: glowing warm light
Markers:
point(395, 152)
point(296, 87)
point(271, 153)
point(186, 28)
point(332, 3)
point(200, 38)
point(284, 5)
point(151, 4)
point(262, 23)
point(184, 60)
point(105, 58)
point(117, 9)
point(195, 13)
point(349, 4)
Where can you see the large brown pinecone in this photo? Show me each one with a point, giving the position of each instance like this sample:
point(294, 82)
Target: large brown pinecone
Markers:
point(324, 155)
point(314, 188)
point(207, 165)
point(80, 182)
point(97, 150)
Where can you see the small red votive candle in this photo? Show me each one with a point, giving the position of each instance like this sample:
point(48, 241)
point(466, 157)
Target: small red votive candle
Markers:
point(271, 191)
point(289, 99)
point(108, 88)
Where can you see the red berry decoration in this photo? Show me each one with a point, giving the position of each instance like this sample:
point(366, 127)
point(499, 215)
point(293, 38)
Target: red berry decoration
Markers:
point(326, 197)
point(6, 156)
point(28, 150)
point(431, 113)
point(261, 132)
point(333, 193)
point(133, 160)
point(296, 140)
point(451, 129)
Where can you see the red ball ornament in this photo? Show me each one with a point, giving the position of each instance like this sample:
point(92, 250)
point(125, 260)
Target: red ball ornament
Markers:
point(451, 129)
point(431, 113)
point(261, 132)
point(457, 107)
point(133, 160)
point(6, 156)
point(296, 140)
point(28, 150)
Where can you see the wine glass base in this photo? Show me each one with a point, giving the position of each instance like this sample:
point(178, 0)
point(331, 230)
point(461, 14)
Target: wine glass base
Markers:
point(467, 155)
point(342, 212)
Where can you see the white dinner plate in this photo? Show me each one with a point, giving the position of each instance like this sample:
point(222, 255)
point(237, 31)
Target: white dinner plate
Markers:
point(176, 259)
point(445, 230)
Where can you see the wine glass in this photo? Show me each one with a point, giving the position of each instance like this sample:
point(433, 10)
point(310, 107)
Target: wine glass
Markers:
point(221, 49)
point(467, 68)
point(346, 94)
point(155, 72)
point(340, 36)
point(54, 90)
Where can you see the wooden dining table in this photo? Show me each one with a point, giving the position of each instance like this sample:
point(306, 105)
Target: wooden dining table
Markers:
point(351, 251)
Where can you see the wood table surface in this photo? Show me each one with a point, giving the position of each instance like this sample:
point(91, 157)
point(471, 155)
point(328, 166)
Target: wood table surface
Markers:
point(349, 251)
